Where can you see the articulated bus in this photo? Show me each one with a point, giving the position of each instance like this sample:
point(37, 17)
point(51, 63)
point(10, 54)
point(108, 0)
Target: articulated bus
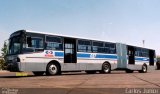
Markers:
point(52, 54)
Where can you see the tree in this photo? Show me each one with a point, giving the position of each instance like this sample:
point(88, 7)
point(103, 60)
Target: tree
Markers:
point(158, 62)
point(4, 50)
point(158, 58)
point(2, 67)
point(4, 53)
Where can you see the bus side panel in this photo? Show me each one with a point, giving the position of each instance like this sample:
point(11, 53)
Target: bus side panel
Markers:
point(134, 67)
point(33, 62)
point(94, 61)
point(69, 67)
point(89, 64)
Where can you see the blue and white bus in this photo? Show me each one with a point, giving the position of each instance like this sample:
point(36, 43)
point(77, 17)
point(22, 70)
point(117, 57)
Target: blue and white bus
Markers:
point(39, 52)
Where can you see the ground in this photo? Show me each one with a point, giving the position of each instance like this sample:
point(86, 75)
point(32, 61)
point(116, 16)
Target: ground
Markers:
point(117, 81)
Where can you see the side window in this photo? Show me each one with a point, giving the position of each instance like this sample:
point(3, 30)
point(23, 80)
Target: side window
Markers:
point(110, 48)
point(98, 47)
point(145, 53)
point(107, 48)
point(137, 52)
point(37, 42)
point(141, 52)
point(84, 46)
point(54, 43)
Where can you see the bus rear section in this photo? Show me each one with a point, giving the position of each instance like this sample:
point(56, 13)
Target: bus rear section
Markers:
point(132, 58)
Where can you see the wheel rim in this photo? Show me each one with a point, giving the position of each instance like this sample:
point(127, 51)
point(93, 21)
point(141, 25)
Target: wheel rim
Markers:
point(144, 68)
point(53, 69)
point(106, 68)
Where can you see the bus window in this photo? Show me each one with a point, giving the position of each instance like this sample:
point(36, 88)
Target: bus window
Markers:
point(84, 46)
point(54, 43)
point(35, 42)
point(98, 47)
point(141, 52)
point(110, 48)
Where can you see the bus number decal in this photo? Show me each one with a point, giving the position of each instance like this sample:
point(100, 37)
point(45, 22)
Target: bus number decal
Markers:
point(93, 56)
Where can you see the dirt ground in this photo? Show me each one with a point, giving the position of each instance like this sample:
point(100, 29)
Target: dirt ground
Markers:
point(82, 83)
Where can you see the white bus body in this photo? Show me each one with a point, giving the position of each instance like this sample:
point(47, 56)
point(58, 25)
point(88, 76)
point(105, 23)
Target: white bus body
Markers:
point(52, 54)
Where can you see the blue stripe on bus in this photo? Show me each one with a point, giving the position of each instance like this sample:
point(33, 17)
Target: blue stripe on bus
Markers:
point(142, 59)
point(106, 56)
point(83, 55)
point(60, 54)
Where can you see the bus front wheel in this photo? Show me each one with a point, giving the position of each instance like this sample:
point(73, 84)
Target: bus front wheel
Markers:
point(52, 69)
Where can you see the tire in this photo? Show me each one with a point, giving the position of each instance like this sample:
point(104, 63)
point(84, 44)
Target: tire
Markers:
point(90, 72)
point(129, 71)
point(158, 65)
point(144, 69)
point(106, 68)
point(53, 69)
point(38, 73)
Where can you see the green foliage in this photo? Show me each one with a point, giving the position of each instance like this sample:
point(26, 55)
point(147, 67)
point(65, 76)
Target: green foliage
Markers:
point(4, 53)
point(1, 64)
point(4, 50)
point(158, 62)
point(158, 58)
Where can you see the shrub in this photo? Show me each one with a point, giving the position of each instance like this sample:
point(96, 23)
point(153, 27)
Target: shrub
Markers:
point(158, 63)
point(1, 64)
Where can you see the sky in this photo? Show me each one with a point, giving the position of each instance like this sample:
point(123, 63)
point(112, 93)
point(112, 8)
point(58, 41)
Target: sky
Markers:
point(125, 21)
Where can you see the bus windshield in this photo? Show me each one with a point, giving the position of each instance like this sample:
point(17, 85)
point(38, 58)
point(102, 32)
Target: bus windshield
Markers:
point(14, 45)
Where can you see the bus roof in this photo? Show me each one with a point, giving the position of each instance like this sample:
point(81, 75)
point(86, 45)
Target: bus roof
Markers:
point(31, 31)
point(69, 36)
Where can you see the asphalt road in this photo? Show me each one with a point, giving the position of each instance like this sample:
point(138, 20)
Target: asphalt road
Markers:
point(80, 83)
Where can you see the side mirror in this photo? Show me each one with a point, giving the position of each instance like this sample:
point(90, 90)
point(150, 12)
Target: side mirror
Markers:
point(29, 41)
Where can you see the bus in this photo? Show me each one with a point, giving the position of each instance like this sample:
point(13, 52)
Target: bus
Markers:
point(51, 54)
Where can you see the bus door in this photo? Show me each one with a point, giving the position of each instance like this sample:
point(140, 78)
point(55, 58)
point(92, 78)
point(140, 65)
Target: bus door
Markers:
point(70, 53)
point(131, 55)
point(151, 57)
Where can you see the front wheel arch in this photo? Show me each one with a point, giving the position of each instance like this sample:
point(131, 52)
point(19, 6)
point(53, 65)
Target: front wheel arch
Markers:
point(57, 64)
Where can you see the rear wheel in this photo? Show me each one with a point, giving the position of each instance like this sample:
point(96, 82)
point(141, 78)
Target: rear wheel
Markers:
point(53, 69)
point(106, 68)
point(158, 65)
point(144, 69)
point(38, 73)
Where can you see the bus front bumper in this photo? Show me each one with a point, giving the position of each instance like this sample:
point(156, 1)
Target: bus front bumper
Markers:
point(12, 67)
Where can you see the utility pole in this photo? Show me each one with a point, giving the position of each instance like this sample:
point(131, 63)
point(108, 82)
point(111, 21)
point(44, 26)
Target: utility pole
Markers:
point(143, 41)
